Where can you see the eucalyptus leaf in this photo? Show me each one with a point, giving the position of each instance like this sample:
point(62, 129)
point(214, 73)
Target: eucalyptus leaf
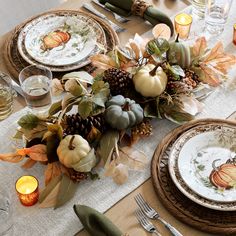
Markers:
point(85, 107)
point(55, 107)
point(150, 111)
point(158, 46)
point(101, 97)
point(98, 86)
point(176, 69)
point(74, 87)
point(66, 192)
point(18, 134)
point(51, 185)
point(28, 121)
point(68, 99)
point(107, 144)
point(82, 76)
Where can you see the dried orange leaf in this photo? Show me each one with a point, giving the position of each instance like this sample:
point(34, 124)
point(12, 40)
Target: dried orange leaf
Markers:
point(57, 87)
point(215, 51)
point(23, 151)
point(11, 157)
point(103, 61)
point(161, 31)
point(110, 168)
point(29, 163)
point(38, 152)
point(209, 76)
point(135, 47)
point(199, 46)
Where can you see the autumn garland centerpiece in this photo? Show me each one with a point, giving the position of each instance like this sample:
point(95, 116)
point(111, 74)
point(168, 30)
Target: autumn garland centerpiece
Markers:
point(99, 118)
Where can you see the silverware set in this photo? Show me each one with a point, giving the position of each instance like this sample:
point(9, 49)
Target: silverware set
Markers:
point(145, 211)
point(118, 18)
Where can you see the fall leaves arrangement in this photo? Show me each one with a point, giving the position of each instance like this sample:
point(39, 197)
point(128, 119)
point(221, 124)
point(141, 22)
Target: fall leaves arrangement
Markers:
point(100, 117)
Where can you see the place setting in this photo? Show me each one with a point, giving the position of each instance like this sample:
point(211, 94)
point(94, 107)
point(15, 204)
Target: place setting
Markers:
point(103, 117)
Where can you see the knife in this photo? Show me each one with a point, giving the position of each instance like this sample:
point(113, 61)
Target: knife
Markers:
point(17, 88)
point(116, 27)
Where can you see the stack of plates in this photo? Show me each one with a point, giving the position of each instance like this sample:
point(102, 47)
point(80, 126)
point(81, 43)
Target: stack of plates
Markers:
point(62, 41)
point(202, 164)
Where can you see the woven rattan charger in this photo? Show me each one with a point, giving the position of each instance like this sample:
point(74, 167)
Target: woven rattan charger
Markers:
point(212, 221)
point(15, 63)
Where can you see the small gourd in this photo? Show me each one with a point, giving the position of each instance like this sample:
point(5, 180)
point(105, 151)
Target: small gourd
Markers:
point(150, 81)
point(122, 113)
point(179, 53)
point(74, 152)
point(223, 176)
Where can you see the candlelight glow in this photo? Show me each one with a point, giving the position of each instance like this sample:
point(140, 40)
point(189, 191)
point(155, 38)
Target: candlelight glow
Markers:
point(183, 23)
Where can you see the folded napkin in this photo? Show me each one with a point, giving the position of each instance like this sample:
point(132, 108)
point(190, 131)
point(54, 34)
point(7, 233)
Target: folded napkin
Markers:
point(140, 8)
point(96, 223)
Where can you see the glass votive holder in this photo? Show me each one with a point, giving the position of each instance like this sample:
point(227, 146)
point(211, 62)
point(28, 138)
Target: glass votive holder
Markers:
point(183, 23)
point(27, 190)
point(234, 35)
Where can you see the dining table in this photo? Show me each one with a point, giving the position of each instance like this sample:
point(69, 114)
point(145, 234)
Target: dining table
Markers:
point(122, 211)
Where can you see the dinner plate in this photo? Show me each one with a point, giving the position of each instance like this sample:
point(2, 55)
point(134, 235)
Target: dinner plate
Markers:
point(202, 165)
point(63, 40)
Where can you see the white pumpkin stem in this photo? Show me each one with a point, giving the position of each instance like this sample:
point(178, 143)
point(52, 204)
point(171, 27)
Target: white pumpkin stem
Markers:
point(126, 107)
point(71, 147)
point(214, 165)
point(153, 72)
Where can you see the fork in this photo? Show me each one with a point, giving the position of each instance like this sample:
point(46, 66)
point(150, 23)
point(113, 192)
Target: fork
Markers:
point(116, 27)
point(119, 18)
point(152, 214)
point(147, 225)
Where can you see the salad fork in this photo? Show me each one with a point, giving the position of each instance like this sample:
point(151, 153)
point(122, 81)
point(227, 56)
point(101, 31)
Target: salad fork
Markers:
point(147, 225)
point(119, 18)
point(152, 214)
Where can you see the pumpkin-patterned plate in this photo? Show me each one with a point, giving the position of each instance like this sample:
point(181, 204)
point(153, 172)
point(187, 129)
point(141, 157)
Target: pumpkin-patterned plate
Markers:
point(61, 39)
point(202, 164)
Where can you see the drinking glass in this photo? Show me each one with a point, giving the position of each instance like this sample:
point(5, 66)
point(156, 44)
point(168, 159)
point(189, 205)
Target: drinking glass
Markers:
point(216, 15)
point(6, 96)
point(198, 8)
point(6, 221)
point(35, 83)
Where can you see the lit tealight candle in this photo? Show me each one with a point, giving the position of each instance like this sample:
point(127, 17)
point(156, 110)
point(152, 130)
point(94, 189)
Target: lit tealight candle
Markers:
point(183, 23)
point(234, 35)
point(27, 190)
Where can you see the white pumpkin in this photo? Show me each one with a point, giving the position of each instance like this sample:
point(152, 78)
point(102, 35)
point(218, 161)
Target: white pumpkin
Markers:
point(150, 85)
point(74, 152)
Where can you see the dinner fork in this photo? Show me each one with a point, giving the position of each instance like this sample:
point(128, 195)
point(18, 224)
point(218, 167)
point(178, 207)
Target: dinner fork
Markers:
point(116, 27)
point(152, 214)
point(147, 225)
point(119, 18)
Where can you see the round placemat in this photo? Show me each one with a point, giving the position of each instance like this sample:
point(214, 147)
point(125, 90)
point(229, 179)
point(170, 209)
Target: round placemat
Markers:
point(205, 219)
point(15, 63)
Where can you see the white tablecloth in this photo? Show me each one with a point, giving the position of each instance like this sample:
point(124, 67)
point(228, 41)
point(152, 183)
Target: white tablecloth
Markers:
point(103, 193)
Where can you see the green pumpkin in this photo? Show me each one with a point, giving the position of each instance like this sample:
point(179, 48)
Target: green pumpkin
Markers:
point(179, 54)
point(122, 113)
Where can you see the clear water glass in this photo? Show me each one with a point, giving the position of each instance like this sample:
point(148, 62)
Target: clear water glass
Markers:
point(216, 15)
point(198, 8)
point(6, 96)
point(6, 216)
point(36, 85)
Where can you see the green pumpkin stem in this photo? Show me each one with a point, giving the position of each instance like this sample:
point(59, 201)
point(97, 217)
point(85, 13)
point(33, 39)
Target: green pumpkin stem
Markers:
point(177, 38)
point(71, 146)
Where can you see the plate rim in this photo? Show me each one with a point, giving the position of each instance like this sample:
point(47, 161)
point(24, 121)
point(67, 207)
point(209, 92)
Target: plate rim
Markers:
point(187, 191)
point(28, 58)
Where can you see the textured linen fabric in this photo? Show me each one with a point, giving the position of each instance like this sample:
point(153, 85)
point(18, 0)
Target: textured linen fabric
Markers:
point(101, 194)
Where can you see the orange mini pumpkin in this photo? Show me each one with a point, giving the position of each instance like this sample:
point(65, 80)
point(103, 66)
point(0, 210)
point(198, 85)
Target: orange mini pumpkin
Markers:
point(223, 176)
point(55, 39)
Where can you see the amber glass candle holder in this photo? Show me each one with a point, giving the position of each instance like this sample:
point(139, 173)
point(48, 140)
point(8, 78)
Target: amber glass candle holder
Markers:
point(27, 190)
point(183, 23)
point(234, 35)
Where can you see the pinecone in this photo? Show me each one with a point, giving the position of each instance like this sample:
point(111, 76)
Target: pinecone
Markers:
point(77, 176)
point(120, 81)
point(142, 129)
point(190, 78)
point(76, 125)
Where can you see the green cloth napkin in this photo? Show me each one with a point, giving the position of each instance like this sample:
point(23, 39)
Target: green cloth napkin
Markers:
point(96, 223)
point(152, 14)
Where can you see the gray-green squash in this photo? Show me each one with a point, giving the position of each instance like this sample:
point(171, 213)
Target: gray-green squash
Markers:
point(179, 53)
point(122, 113)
